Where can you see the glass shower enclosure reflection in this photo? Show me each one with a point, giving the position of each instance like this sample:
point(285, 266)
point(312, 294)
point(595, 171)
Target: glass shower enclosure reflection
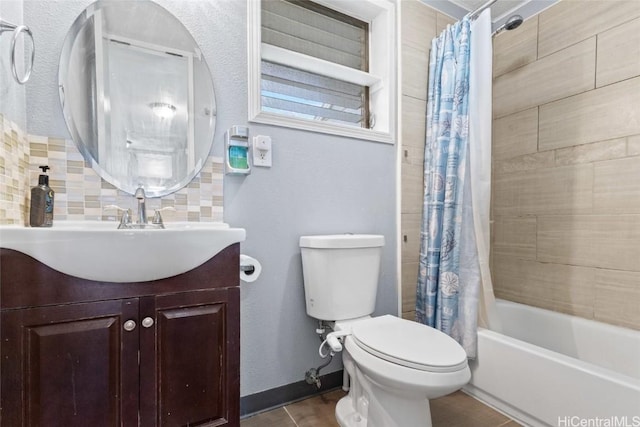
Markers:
point(150, 136)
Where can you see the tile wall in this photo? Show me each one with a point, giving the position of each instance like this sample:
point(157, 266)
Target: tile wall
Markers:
point(419, 24)
point(14, 173)
point(80, 193)
point(566, 161)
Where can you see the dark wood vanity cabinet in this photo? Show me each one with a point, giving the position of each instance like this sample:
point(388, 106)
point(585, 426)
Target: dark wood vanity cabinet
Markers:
point(69, 365)
point(85, 353)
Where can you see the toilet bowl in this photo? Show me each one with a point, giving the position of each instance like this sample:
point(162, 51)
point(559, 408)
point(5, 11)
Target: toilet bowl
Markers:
point(395, 367)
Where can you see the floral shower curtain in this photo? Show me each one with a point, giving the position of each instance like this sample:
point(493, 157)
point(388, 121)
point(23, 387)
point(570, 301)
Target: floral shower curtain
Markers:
point(444, 301)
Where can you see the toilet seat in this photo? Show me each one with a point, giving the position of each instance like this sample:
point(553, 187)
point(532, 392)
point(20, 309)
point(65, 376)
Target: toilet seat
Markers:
point(409, 344)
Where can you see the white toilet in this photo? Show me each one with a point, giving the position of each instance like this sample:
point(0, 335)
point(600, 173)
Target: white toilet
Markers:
point(395, 365)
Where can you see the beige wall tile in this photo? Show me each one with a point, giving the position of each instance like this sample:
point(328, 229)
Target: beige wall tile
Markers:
point(513, 49)
point(587, 153)
point(418, 29)
point(616, 186)
point(557, 287)
point(418, 24)
point(413, 130)
point(559, 190)
point(412, 188)
point(15, 176)
point(604, 113)
point(545, 159)
point(515, 134)
point(409, 315)
point(576, 297)
point(582, 210)
point(554, 77)
point(412, 155)
point(409, 282)
point(633, 145)
point(515, 236)
point(442, 21)
point(571, 21)
point(618, 53)
point(410, 227)
point(414, 116)
point(618, 298)
point(415, 69)
point(603, 241)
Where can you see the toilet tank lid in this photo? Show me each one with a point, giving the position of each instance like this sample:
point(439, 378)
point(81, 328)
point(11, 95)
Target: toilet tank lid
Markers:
point(342, 241)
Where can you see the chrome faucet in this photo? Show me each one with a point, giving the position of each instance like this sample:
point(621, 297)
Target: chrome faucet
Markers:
point(142, 209)
point(141, 221)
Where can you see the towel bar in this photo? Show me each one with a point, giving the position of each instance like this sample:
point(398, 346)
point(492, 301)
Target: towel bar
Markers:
point(17, 30)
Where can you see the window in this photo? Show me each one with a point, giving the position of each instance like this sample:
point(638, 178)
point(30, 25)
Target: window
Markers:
point(325, 66)
point(313, 30)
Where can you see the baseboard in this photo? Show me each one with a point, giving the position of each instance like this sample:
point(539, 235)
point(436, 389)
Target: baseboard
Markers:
point(279, 396)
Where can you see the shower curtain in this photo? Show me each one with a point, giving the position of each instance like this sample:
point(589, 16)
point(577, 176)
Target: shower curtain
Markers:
point(455, 221)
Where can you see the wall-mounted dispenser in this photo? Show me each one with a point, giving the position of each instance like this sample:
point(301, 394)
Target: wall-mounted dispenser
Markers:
point(236, 147)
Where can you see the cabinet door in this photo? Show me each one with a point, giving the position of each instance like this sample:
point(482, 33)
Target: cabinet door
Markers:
point(195, 358)
point(71, 365)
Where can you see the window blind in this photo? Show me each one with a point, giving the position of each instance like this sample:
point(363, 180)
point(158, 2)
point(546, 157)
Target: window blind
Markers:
point(310, 29)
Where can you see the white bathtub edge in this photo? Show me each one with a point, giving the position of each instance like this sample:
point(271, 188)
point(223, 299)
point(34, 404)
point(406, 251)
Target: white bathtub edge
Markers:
point(503, 407)
point(563, 359)
point(561, 386)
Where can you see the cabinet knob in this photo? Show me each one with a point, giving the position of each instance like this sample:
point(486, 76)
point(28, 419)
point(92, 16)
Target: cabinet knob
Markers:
point(129, 325)
point(147, 322)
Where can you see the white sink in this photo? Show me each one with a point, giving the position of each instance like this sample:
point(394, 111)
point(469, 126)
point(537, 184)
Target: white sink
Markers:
point(97, 250)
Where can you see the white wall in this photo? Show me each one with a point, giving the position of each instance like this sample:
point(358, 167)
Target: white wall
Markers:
point(318, 184)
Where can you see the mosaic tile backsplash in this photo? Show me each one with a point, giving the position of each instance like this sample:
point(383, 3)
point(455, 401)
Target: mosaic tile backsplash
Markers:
point(81, 194)
point(14, 173)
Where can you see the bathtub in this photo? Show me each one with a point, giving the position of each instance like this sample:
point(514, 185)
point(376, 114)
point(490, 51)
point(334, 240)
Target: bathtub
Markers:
point(552, 369)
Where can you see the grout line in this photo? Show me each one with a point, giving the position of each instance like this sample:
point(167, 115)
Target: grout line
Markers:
point(595, 66)
point(290, 416)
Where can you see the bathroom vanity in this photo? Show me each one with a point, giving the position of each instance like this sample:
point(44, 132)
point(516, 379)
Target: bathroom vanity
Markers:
point(78, 352)
point(137, 325)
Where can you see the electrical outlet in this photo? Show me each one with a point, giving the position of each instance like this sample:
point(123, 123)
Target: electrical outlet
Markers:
point(262, 151)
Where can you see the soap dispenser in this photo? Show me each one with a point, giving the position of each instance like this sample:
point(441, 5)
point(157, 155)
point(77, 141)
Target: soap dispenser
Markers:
point(41, 213)
point(236, 145)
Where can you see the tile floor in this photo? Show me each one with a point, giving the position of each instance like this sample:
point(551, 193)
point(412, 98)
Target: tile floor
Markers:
point(455, 410)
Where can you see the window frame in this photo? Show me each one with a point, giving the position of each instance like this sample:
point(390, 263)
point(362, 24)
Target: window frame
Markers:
point(381, 78)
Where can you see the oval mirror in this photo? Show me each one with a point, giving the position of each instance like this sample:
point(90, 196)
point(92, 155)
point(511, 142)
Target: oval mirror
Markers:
point(137, 96)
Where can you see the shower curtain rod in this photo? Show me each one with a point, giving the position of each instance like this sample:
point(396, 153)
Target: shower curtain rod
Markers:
point(478, 11)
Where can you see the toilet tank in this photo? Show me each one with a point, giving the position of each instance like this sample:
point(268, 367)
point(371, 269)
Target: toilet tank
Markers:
point(341, 274)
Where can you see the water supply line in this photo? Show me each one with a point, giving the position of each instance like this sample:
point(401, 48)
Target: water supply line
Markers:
point(312, 376)
point(334, 341)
